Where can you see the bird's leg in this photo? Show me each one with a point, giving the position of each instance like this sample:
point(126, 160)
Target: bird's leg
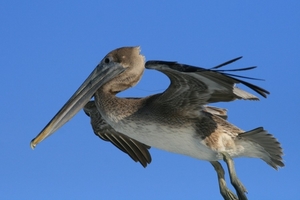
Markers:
point(225, 192)
point(237, 184)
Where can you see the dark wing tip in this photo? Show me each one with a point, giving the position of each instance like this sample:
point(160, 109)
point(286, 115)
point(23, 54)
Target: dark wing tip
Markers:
point(227, 62)
point(255, 88)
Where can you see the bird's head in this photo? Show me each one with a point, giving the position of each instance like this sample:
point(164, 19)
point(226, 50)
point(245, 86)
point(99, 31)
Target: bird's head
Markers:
point(133, 63)
point(118, 70)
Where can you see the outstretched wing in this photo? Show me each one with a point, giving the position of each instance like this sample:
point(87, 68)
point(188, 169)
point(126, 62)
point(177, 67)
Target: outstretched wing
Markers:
point(198, 86)
point(136, 150)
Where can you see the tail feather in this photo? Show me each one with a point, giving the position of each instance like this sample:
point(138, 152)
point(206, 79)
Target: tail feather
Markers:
point(268, 146)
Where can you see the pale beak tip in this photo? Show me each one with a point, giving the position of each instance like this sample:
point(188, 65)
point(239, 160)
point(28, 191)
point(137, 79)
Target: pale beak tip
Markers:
point(32, 144)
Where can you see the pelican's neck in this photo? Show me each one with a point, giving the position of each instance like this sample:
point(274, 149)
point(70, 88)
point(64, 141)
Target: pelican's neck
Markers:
point(115, 108)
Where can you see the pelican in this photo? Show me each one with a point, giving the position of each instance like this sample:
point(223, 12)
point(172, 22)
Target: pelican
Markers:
point(177, 120)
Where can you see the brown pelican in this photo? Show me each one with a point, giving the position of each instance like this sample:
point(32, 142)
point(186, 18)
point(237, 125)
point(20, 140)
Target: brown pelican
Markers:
point(177, 120)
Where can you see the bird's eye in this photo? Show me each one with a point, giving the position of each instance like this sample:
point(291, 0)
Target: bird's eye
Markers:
point(107, 60)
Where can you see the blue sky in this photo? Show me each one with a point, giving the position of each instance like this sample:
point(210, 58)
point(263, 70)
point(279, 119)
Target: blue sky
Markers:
point(48, 48)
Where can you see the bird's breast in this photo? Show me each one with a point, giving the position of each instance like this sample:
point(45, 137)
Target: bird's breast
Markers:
point(179, 138)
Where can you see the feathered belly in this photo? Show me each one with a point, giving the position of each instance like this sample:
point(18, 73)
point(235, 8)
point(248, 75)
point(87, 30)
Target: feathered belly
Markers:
point(173, 139)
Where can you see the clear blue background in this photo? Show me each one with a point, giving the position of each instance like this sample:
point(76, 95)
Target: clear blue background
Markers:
point(48, 48)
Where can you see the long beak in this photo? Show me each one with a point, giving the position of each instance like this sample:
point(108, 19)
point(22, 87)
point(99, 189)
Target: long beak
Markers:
point(100, 75)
